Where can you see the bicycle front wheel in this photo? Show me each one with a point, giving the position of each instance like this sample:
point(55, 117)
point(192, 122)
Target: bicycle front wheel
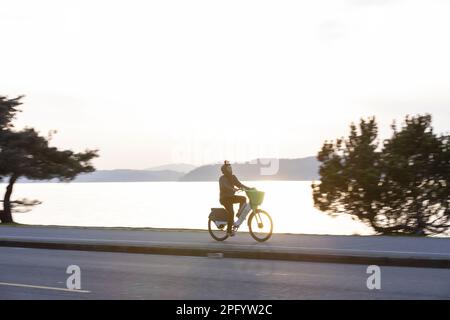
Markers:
point(260, 225)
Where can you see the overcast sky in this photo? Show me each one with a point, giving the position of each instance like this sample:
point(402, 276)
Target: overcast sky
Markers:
point(156, 82)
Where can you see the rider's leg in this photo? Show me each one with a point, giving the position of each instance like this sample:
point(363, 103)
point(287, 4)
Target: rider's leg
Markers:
point(241, 200)
point(228, 204)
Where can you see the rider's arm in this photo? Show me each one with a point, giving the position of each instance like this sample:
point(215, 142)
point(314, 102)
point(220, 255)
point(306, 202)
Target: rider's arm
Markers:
point(238, 184)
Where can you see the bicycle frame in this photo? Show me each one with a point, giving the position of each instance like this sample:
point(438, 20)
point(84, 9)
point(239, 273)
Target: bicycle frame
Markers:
point(252, 210)
point(242, 217)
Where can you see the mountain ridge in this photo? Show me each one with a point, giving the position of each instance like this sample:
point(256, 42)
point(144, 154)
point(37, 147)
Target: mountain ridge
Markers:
point(300, 169)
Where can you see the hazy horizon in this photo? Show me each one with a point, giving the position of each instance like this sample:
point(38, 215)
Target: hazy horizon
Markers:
point(153, 83)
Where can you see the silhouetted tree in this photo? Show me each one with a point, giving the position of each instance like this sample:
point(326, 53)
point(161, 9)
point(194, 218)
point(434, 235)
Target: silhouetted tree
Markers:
point(401, 189)
point(8, 110)
point(27, 154)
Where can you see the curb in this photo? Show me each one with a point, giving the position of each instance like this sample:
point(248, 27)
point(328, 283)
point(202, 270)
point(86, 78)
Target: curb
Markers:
point(417, 262)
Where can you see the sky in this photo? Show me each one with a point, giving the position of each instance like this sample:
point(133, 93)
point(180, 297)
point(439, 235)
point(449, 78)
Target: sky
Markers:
point(156, 82)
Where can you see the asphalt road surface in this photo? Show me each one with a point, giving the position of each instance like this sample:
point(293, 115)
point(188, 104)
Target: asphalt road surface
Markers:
point(41, 274)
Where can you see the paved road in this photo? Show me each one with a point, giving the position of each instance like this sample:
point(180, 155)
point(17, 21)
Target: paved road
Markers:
point(137, 276)
point(384, 246)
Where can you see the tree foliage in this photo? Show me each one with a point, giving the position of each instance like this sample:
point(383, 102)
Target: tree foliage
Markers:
point(400, 188)
point(25, 153)
point(8, 110)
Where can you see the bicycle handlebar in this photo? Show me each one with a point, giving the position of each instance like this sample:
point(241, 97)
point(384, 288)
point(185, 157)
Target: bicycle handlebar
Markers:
point(242, 189)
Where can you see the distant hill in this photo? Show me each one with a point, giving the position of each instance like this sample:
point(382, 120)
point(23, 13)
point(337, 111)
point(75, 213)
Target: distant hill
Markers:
point(122, 175)
point(125, 175)
point(289, 169)
point(305, 169)
point(179, 167)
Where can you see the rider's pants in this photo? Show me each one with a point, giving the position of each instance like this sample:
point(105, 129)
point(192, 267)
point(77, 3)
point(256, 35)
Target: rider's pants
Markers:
point(228, 204)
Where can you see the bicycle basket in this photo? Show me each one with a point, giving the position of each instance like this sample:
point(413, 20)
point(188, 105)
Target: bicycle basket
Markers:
point(256, 197)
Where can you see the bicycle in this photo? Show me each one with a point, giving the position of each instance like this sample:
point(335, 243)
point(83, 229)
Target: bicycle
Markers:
point(259, 222)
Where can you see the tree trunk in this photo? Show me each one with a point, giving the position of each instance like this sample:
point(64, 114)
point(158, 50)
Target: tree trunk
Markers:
point(421, 224)
point(6, 215)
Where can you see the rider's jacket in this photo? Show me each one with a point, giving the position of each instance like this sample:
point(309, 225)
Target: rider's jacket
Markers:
point(227, 184)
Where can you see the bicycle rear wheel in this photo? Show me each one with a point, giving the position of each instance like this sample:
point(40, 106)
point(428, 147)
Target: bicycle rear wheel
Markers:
point(218, 233)
point(260, 225)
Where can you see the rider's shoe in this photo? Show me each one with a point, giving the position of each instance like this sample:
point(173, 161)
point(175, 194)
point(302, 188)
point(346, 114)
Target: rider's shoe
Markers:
point(232, 233)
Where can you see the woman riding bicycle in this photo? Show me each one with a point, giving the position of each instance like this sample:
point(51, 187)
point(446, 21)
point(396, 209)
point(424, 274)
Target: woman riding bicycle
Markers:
point(227, 183)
